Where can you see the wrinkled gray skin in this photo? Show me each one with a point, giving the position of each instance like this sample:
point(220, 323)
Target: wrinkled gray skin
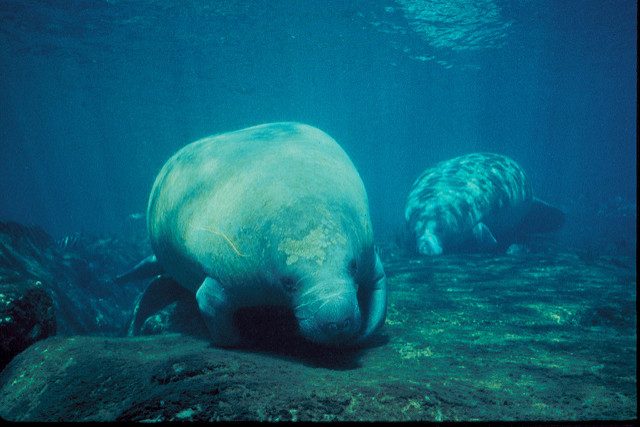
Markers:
point(274, 214)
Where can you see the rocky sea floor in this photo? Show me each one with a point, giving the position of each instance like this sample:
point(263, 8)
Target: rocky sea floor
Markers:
point(546, 336)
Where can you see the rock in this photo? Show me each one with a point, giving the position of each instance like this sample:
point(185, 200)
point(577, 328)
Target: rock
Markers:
point(76, 286)
point(180, 316)
point(26, 316)
point(532, 337)
point(163, 378)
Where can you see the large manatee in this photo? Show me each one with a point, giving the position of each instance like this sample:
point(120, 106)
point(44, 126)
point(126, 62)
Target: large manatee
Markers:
point(271, 215)
point(482, 200)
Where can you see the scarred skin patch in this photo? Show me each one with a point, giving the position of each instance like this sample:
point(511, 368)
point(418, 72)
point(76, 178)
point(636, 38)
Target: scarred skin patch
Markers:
point(312, 246)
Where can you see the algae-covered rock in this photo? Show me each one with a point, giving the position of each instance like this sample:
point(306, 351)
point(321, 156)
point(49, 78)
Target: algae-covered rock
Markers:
point(512, 338)
point(161, 378)
point(26, 316)
point(76, 293)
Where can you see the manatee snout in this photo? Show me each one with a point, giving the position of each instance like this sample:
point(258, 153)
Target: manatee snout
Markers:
point(428, 244)
point(330, 317)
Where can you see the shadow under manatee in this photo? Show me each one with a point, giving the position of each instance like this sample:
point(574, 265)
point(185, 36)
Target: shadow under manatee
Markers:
point(273, 330)
point(265, 329)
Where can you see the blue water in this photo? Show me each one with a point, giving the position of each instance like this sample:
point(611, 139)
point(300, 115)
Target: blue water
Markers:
point(96, 95)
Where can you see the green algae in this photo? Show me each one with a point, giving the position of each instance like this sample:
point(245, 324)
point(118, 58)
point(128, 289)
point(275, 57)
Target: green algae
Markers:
point(550, 327)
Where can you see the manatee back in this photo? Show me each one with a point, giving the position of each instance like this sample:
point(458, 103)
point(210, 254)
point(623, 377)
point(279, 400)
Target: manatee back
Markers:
point(215, 197)
point(458, 193)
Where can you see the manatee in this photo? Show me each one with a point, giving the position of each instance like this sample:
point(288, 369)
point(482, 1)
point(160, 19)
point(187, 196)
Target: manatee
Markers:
point(479, 200)
point(271, 215)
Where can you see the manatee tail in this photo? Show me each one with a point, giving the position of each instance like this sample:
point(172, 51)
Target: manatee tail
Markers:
point(542, 218)
point(148, 267)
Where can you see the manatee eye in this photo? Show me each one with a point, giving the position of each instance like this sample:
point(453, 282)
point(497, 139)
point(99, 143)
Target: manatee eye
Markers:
point(353, 267)
point(288, 284)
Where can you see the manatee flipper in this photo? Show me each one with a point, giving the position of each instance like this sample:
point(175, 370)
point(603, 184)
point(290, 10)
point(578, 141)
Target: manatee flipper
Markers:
point(217, 312)
point(159, 293)
point(541, 218)
point(483, 236)
point(374, 302)
point(146, 268)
